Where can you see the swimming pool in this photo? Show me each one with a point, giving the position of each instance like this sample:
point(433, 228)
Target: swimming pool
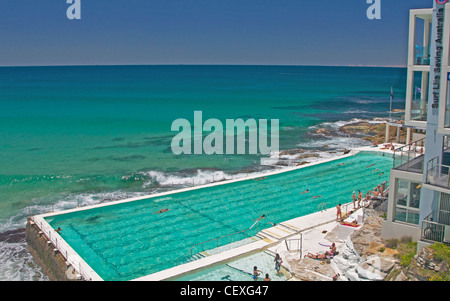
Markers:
point(239, 270)
point(128, 240)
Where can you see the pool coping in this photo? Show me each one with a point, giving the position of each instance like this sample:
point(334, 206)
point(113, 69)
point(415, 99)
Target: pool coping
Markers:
point(82, 268)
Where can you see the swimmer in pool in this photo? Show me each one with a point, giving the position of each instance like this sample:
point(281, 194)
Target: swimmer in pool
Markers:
point(317, 196)
point(162, 210)
point(261, 217)
point(370, 165)
point(258, 219)
point(306, 191)
point(256, 273)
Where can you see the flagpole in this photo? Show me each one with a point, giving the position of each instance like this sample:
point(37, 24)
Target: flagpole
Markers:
point(390, 108)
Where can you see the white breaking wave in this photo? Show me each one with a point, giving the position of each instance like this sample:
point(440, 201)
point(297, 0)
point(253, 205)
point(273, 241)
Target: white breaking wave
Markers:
point(354, 111)
point(199, 178)
point(340, 123)
point(336, 143)
point(16, 264)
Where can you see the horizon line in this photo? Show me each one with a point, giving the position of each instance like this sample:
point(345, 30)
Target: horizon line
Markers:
point(181, 64)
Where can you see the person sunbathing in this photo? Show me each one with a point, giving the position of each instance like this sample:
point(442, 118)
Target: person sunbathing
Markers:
point(346, 215)
point(353, 224)
point(317, 256)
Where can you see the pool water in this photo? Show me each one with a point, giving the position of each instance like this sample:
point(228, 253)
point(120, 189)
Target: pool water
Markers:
point(239, 270)
point(130, 240)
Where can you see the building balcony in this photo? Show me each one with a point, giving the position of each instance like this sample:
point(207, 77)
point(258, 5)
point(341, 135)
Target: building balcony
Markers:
point(438, 174)
point(410, 157)
point(435, 231)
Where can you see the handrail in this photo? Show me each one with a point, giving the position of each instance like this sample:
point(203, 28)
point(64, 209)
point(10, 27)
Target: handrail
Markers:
point(64, 253)
point(215, 239)
point(432, 230)
point(322, 205)
point(300, 243)
point(435, 174)
point(414, 149)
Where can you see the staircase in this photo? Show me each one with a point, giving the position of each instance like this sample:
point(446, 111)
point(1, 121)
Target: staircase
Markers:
point(278, 232)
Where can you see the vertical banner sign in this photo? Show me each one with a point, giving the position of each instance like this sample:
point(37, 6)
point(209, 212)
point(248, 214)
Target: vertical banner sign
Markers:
point(436, 54)
point(436, 50)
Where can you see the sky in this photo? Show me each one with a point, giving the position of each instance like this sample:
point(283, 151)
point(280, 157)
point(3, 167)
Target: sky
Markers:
point(212, 32)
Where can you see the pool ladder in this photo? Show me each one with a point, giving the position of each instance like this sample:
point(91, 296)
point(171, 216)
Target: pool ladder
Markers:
point(322, 207)
point(197, 256)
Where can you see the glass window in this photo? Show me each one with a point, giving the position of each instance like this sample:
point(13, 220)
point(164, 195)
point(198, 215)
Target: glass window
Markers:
point(444, 209)
point(407, 201)
point(402, 192)
point(419, 98)
point(400, 214)
point(414, 196)
point(412, 217)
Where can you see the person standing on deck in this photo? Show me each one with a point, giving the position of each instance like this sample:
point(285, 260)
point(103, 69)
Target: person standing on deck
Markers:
point(360, 197)
point(338, 213)
point(354, 199)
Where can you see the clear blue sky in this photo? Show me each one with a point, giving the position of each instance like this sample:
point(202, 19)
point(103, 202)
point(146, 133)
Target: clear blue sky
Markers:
point(266, 32)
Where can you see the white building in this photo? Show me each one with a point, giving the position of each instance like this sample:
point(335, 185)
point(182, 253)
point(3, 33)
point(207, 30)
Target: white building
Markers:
point(419, 198)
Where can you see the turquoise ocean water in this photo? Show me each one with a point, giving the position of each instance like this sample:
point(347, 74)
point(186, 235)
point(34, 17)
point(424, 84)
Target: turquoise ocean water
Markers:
point(87, 134)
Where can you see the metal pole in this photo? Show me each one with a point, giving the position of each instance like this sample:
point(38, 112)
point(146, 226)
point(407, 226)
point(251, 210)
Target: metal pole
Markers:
point(390, 108)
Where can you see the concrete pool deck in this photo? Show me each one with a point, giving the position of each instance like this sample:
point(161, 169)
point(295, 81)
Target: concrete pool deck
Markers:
point(268, 238)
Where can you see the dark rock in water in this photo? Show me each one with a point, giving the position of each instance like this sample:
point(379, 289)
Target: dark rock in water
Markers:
point(369, 131)
point(323, 131)
point(310, 155)
point(13, 236)
point(289, 152)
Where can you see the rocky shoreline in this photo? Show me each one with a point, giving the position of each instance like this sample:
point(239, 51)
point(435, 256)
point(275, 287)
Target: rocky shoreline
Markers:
point(366, 131)
point(364, 256)
point(372, 131)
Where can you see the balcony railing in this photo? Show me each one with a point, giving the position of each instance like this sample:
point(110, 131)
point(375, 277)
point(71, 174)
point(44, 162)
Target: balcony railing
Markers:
point(409, 157)
point(419, 109)
point(434, 231)
point(437, 174)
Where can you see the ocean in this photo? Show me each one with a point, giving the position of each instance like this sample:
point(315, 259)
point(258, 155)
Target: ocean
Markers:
point(80, 135)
